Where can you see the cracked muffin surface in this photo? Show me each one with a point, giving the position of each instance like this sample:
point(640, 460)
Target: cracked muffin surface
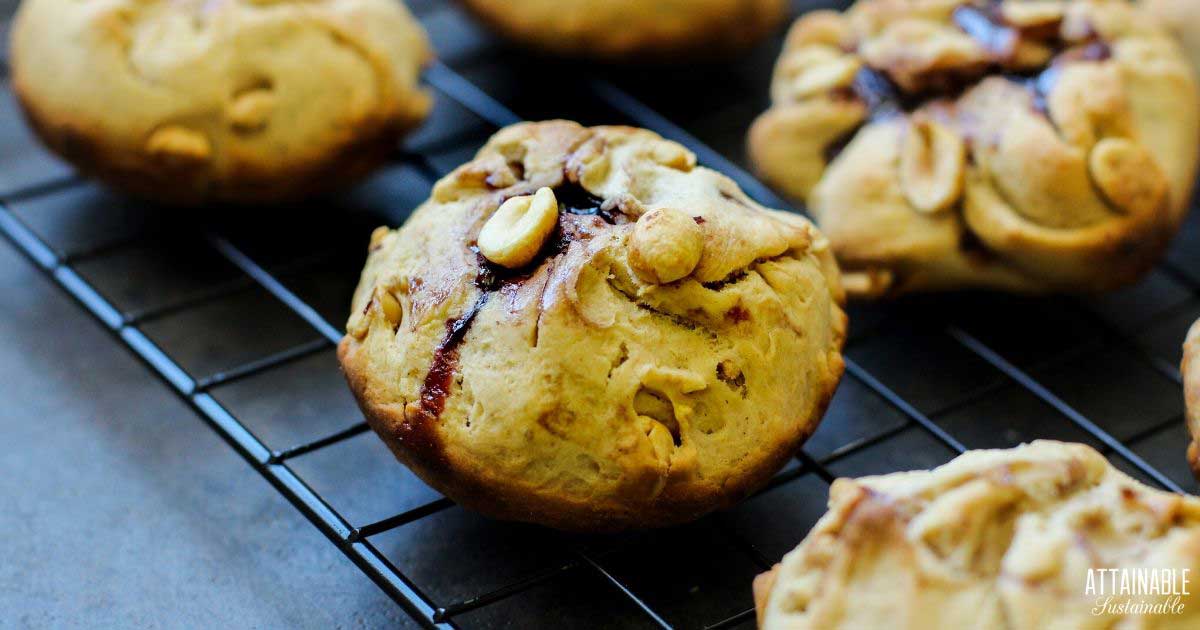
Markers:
point(239, 101)
point(995, 539)
point(631, 29)
point(1035, 146)
point(582, 328)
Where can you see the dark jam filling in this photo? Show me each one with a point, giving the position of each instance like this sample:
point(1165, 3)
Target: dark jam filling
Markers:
point(572, 200)
point(575, 199)
point(885, 99)
point(436, 387)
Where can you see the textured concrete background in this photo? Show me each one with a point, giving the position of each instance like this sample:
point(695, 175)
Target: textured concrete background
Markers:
point(121, 509)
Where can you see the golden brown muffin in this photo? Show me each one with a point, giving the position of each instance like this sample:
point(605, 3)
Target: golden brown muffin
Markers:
point(240, 101)
point(1190, 370)
point(1015, 145)
point(1182, 18)
point(583, 329)
point(997, 539)
point(631, 29)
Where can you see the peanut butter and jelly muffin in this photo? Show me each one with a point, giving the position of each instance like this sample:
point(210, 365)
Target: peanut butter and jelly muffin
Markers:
point(631, 29)
point(1034, 146)
point(1182, 19)
point(1040, 536)
point(238, 101)
point(582, 328)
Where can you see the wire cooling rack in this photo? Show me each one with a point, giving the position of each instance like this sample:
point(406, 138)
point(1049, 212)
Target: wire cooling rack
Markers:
point(239, 315)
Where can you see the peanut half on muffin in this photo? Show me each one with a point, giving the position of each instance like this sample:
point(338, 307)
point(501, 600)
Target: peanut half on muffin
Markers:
point(1013, 145)
point(583, 329)
point(234, 101)
point(632, 29)
point(1040, 536)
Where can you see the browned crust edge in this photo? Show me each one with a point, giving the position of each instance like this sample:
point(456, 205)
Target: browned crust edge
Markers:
point(251, 182)
point(705, 43)
point(500, 498)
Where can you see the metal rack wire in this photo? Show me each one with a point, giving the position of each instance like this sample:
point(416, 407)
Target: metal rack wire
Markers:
point(955, 326)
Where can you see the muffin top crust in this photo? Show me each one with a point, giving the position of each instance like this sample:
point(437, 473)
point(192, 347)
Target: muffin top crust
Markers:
point(239, 101)
point(1026, 145)
point(632, 30)
point(995, 539)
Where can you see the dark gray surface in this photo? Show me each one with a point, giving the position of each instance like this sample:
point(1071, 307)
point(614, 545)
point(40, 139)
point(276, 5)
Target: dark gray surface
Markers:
point(121, 509)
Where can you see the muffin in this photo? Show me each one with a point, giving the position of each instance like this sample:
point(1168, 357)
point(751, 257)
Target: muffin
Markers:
point(631, 29)
point(228, 101)
point(1024, 146)
point(1182, 19)
point(1190, 370)
point(581, 328)
point(1003, 539)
